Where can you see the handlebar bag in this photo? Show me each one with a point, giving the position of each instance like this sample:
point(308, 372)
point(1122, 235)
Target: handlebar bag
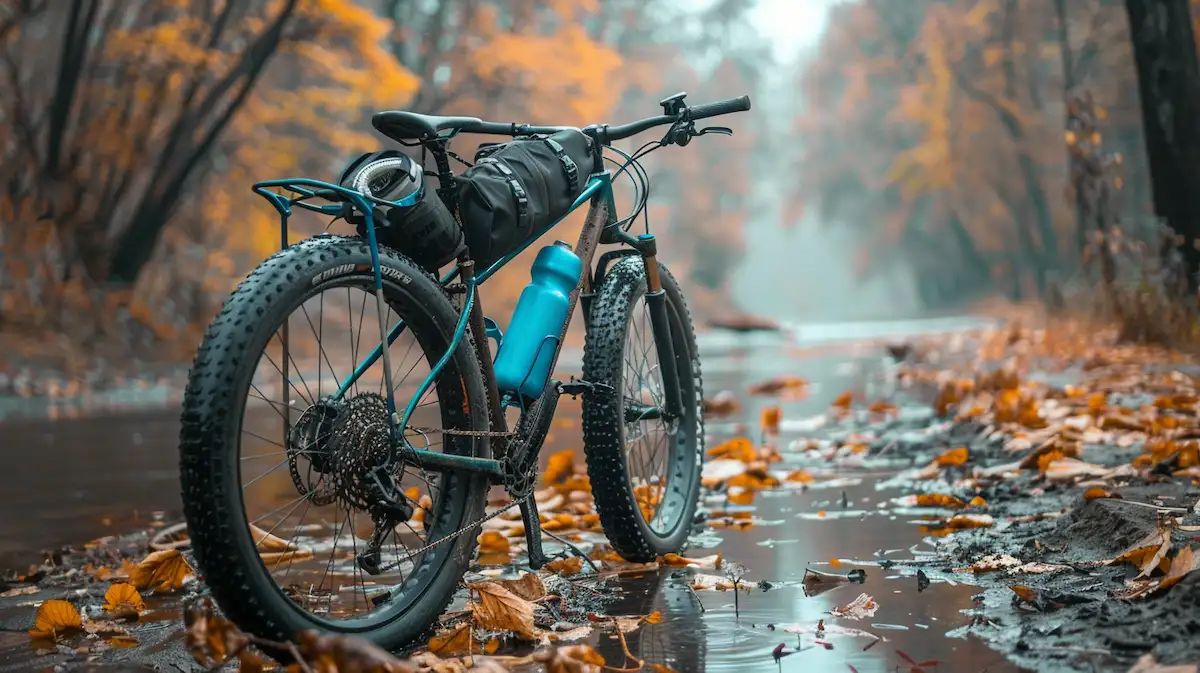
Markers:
point(424, 230)
point(516, 190)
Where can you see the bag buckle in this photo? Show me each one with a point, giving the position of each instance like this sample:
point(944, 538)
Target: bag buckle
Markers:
point(568, 163)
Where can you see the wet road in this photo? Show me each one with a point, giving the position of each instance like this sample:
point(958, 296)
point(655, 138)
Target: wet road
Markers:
point(91, 476)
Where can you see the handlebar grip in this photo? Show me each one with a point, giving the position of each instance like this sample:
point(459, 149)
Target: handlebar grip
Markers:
point(724, 107)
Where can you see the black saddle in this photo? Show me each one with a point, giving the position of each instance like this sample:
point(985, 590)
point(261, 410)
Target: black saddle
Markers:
point(402, 125)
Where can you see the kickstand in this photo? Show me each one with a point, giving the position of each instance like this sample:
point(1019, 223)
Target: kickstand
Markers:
point(533, 533)
point(577, 550)
point(533, 538)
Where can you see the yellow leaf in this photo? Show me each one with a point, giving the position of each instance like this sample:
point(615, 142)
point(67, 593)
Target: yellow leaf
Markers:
point(529, 587)
point(55, 618)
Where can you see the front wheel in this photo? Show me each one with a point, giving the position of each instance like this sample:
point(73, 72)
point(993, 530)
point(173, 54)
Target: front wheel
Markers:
point(644, 469)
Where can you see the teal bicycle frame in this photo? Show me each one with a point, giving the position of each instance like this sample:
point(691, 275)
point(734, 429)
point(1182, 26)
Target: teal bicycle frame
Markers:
point(598, 193)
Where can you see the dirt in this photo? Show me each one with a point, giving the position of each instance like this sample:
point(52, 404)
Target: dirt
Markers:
point(1081, 626)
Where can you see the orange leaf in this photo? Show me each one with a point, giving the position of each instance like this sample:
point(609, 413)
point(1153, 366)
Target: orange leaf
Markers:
point(770, 419)
point(559, 466)
point(161, 571)
point(844, 401)
point(55, 618)
point(565, 566)
point(493, 542)
point(1096, 493)
point(977, 501)
point(1024, 593)
point(123, 600)
point(800, 477)
point(939, 500)
point(952, 458)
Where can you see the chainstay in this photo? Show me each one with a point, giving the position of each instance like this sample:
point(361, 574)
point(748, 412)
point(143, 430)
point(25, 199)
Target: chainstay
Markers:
point(455, 534)
point(464, 433)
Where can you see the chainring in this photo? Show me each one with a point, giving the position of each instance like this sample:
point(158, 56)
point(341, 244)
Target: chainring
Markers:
point(521, 461)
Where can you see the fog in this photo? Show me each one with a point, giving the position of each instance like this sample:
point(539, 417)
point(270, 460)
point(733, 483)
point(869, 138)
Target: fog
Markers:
point(803, 272)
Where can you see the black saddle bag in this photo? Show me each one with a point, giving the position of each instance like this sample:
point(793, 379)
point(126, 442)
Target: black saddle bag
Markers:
point(425, 231)
point(517, 189)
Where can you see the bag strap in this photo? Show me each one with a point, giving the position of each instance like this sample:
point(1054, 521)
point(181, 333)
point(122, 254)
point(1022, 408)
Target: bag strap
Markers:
point(515, 185)
point(568, 163)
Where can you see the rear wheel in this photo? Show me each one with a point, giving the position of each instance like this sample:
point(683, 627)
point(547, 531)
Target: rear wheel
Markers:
point(276, 472)
point(645, 472)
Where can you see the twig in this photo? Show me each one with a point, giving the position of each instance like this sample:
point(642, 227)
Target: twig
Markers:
point(575, 549)
point(697, 597)
point(1160, 508)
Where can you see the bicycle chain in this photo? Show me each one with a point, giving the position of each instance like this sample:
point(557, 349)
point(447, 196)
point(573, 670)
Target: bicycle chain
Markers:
point(456, 533)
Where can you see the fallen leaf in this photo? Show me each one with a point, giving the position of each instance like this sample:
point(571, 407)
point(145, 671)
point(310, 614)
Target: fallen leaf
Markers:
point(939, 500)
point(348, 653)
point(977, 501)
point(499, 609)
point(570, 659)
point(1148, 553)
point(453, 642)
point(952, 458)
point(123, 600)
point(161, 571)
point(778, 385)
point(565, 566)
point(843, 401)
point(559, 466)
point(1148, 664)
point(1097, 493)
point(1183, 563)
point(55, 618)
point(738, 448)
point(493, 542)
point(211, 639)
point(723, 403)
point(1065, 469)
point(529, 587)
point(20, 591)
point(771, 416)
point(677, 561)
point(995, 562)
point(862, 606)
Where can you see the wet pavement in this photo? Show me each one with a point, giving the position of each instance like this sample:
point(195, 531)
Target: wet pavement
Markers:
point(106, 474)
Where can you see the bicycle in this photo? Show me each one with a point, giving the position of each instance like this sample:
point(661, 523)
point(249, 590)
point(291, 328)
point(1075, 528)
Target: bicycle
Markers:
point(352, 449)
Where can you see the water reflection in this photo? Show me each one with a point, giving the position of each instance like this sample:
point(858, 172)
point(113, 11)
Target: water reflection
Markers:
point(84, 478)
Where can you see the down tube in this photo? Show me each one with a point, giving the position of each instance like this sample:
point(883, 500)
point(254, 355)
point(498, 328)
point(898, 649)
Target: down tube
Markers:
point(598, 218)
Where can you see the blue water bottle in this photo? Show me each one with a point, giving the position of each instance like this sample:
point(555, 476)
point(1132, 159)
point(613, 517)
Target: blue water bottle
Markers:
point(527, 353)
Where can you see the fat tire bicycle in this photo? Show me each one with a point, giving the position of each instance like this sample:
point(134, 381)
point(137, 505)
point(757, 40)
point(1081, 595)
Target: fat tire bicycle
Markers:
point(351, 449)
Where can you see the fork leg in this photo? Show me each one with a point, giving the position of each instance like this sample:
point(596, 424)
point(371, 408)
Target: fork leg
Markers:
point(656, 302)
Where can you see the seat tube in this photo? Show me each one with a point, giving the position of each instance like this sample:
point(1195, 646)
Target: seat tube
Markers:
point(660, 323)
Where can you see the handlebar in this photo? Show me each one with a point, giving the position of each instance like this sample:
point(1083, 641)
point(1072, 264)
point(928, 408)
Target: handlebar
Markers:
point(607, 134)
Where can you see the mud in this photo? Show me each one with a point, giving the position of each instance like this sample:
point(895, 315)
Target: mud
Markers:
point(1076, 624)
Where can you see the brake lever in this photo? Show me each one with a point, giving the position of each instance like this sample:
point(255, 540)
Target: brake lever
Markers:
point(725, 131)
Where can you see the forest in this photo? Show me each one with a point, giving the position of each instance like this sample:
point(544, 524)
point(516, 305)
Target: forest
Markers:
point(999, 145)
point(986, 146)
point(132, 131)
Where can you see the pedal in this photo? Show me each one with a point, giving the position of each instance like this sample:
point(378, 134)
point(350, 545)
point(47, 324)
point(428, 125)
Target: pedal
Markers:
point(533, 534)
point(575, 388)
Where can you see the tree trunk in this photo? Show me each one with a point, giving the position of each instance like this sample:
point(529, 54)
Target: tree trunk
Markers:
point(1164, 51)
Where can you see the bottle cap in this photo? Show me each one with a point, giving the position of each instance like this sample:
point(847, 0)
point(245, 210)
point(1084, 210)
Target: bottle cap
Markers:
point(563, 244)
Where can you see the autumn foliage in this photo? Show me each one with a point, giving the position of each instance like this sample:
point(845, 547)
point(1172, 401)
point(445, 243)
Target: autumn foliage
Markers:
point(993, 145)
point(132, 132)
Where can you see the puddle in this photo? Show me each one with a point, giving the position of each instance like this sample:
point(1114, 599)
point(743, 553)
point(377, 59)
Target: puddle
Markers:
point(96, 476)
